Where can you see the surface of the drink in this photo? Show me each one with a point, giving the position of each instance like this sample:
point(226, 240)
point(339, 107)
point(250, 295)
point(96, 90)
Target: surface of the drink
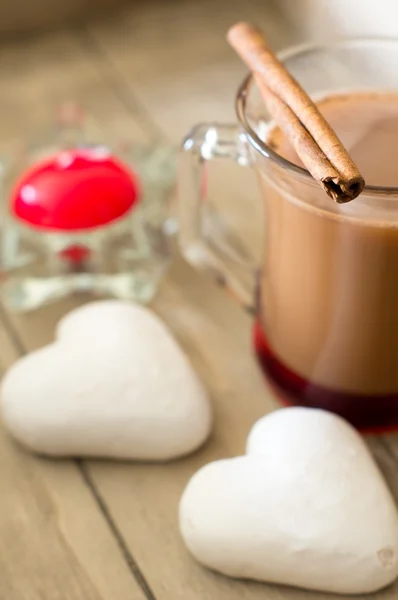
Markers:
point(367, 124)
point(329, 293)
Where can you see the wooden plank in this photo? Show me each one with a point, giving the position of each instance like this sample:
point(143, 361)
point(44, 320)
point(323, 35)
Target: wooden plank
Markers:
point(174, 58)
point(38, 75)
point(55, 541)
point(22, 16)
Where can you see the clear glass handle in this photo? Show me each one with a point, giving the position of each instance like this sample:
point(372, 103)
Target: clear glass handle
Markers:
point(204, 240)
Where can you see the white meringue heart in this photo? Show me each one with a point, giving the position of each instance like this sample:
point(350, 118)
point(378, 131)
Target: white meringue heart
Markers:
point(307, 506)
point(114, 384)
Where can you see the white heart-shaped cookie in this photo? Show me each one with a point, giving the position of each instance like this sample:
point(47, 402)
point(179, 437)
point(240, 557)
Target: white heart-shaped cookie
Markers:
point(114, 384)
point(307, 507)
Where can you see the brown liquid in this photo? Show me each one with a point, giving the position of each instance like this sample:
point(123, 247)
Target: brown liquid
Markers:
point(329, 292)
point(367, 124)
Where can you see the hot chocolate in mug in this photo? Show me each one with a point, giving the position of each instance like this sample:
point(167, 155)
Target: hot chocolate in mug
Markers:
point(326, 300)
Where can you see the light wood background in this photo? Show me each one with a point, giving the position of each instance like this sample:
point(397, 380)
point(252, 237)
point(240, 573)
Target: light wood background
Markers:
point(98, 530)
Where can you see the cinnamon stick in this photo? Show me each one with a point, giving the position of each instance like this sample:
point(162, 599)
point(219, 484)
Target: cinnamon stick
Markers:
point(314, 141)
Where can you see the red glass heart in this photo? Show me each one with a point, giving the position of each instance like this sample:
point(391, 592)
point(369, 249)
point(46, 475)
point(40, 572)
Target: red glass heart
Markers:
point(75, 190)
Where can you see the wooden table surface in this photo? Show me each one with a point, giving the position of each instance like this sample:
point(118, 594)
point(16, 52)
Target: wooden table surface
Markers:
point(99, 530)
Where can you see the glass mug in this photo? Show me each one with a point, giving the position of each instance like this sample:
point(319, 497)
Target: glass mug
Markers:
point(326, 295)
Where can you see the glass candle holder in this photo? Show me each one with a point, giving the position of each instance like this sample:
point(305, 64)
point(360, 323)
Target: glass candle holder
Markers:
point(81, 217)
